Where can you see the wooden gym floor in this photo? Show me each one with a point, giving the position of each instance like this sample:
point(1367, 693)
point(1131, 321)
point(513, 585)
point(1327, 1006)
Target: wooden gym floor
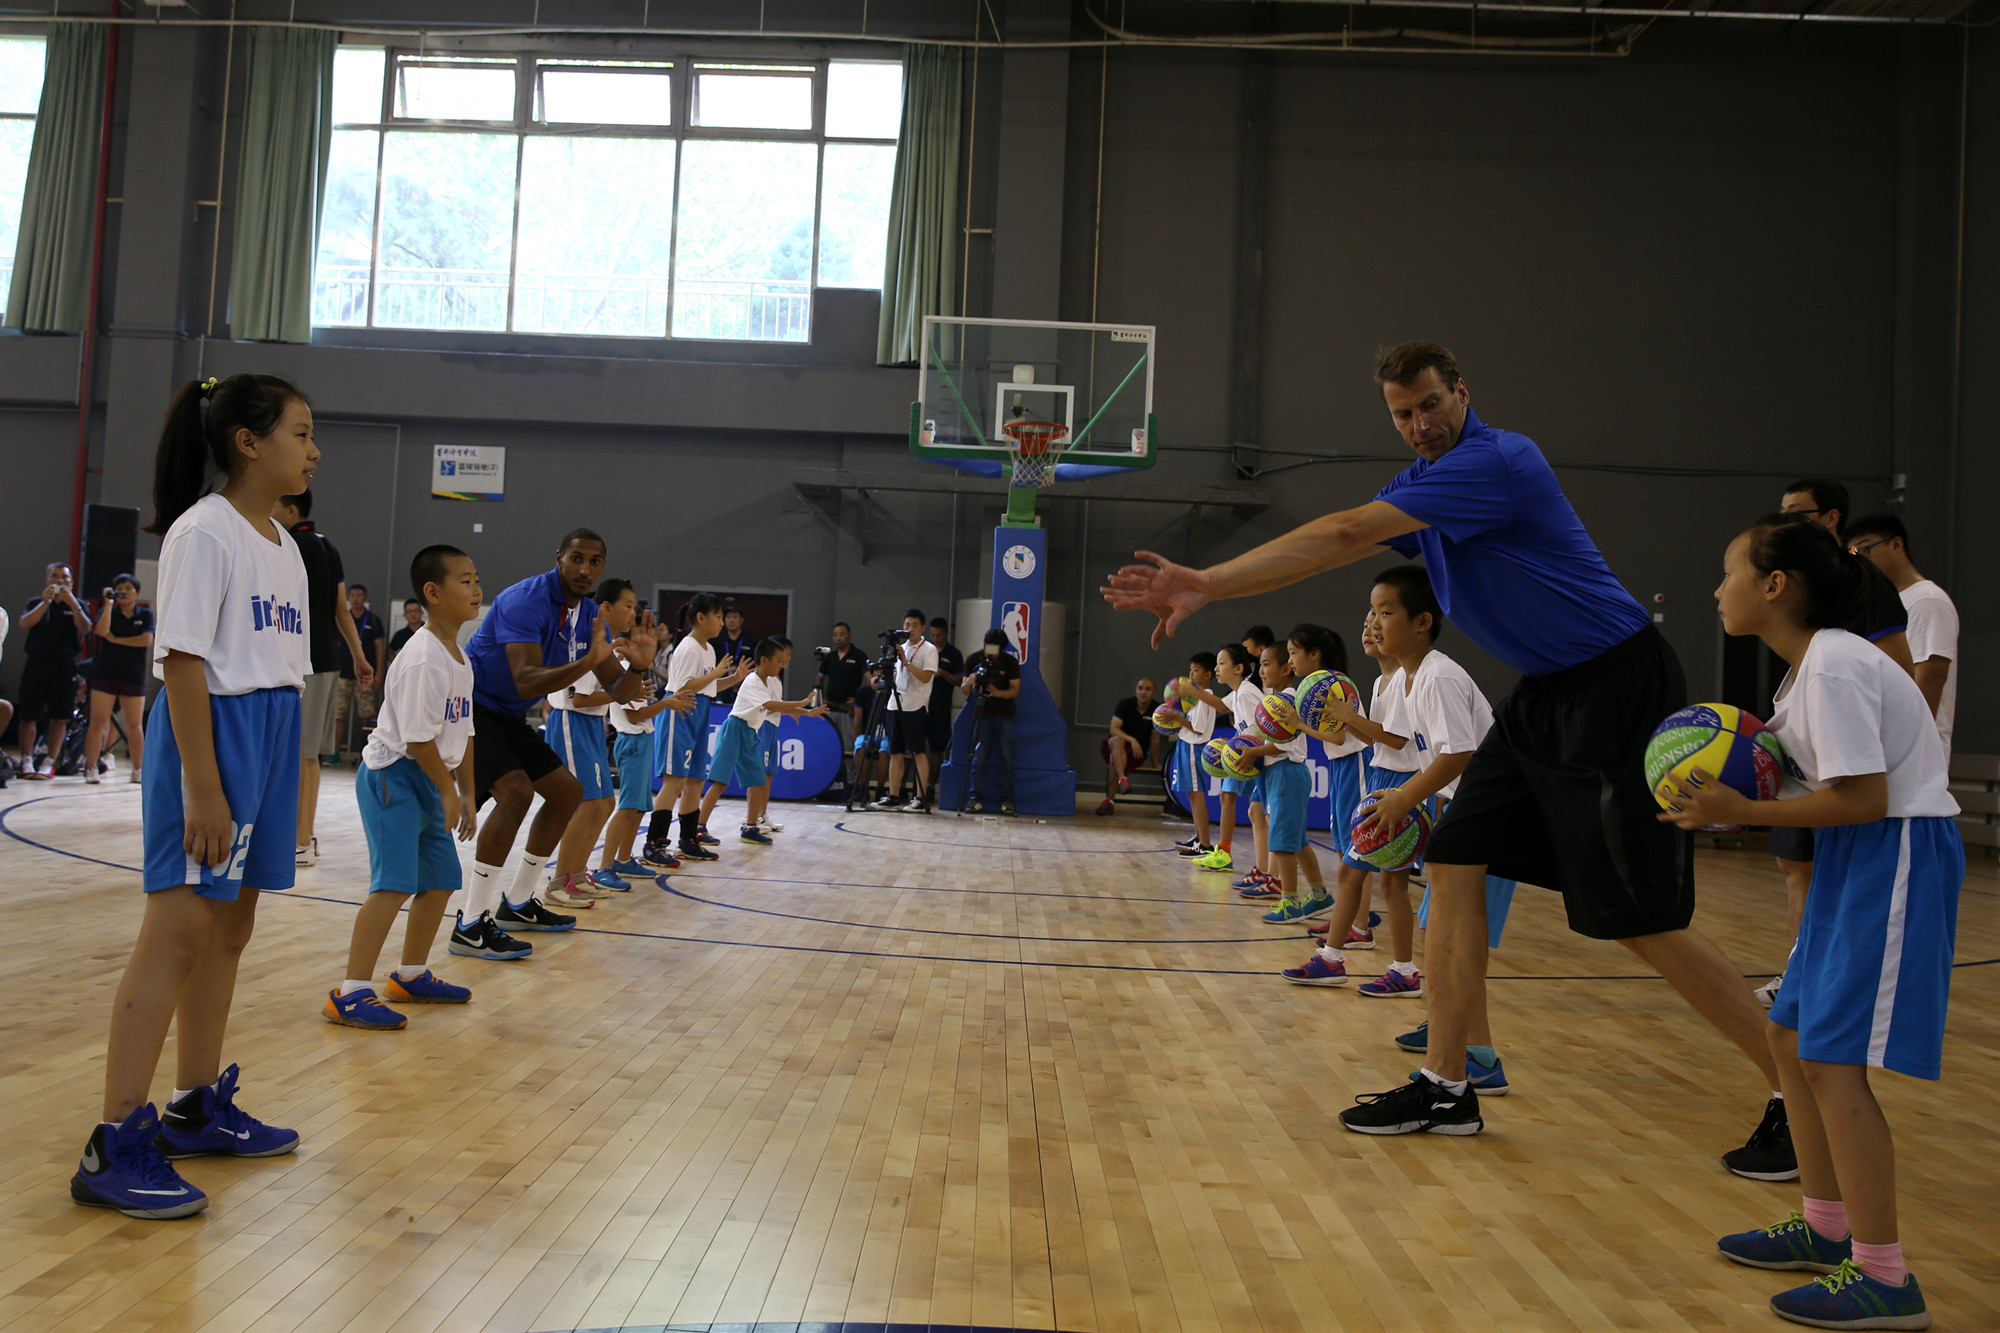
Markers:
point(929, 1072)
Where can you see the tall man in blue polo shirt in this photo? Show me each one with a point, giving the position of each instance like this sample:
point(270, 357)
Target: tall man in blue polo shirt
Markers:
point(539, 636)
point(1556, 794)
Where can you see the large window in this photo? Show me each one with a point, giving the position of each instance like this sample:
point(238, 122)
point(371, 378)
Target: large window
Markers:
point(629, 198)
point(21, 61)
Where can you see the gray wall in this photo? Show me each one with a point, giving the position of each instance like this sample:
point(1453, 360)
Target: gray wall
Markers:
point(1717, 259)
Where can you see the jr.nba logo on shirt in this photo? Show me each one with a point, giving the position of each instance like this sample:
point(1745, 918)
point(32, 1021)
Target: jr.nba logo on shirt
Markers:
point(270, 613)
point(1014, 624)
point(457, 709)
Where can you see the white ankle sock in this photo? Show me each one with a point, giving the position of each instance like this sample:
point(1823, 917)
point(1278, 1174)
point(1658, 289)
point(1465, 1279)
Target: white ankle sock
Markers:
point(482, 891)
point(178, 1094)
point(349, 986)
point(1331, 954)
point(1457, 1089)
point(1407, 969)
point(528, 879)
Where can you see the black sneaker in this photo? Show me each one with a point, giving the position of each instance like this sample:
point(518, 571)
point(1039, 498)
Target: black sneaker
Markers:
point(483, 939)
point(658, 854)
point(694, 851)
point(1423, 1106)
point(531, 915)
point(1768, 1155)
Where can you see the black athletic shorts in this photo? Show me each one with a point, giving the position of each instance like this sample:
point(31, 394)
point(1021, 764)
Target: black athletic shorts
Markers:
point(1791, 844)
point(503, 744)
point(1556, 794)
point(48, 690)
point(909, 732)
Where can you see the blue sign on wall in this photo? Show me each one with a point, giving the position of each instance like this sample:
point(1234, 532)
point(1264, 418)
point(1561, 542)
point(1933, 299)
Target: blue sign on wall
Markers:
point(807, 751)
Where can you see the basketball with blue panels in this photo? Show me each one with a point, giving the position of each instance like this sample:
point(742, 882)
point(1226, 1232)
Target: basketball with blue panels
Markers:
point(1168, 719)
point(1314, 693)
point(1722, 740)
point(1276, 719)
point(1228, 757)
point(1396, 848)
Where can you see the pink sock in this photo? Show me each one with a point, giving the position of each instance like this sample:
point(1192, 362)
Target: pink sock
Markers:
point(1884, 1263)
point(1828, 1217)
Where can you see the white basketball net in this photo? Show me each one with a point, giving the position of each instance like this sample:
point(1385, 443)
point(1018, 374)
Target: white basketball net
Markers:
point(1035, 446)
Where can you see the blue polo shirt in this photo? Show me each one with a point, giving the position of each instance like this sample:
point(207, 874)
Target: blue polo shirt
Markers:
point(532, 611)
point(1510, 560)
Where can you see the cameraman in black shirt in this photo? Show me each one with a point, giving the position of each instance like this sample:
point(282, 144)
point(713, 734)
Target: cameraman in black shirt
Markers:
point(993, 684)
point(56, 624)
point(950, 670)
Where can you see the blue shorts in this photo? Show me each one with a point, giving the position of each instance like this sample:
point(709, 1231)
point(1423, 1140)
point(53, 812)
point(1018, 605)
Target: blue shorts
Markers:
point(1375, 779)
point(257, 758)
point(409, 848)
point(1240, 788)
point(680, 744)
point(1869, 980)
point(739, 754)
point(1345, 787)
point(633, 752)
point(1189, 779)
point(767, 739)
point(1499, 900)
point(1287, 790)
point(579, 739)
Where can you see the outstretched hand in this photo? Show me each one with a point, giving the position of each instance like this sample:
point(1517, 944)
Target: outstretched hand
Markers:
point(1170, 591)
point(642, 645)
point(600, 652)
point(681, 702)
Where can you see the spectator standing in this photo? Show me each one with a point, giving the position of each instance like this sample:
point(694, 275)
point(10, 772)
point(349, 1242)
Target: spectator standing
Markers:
point(1933, 627)
point(950, 670)
point(734, 647)
point(118, 674)
point(413, 620)
point(354, 702)
point(55, 625)
point(842, 676)
point(6, 708)
point(909, 715)
point(328, 627)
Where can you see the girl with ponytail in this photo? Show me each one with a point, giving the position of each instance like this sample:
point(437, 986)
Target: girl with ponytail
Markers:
point(220, 786)
point(1869, 978)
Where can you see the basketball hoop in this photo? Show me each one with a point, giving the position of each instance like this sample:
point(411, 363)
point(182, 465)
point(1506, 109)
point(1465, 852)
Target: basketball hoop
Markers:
point(1034, 450)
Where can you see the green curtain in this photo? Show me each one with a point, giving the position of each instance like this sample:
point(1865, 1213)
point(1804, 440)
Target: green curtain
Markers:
point(51, 287)
point(287, 132)
point(921, 272)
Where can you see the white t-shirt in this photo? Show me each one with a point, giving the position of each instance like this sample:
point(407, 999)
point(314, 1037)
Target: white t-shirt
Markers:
point(1352, 744)
point(621, 714)
point(1933, 632)
point(1200, 728)
point(1847, 709)
point(564, 699)
point(234, 599)
point(1389, 710)
point(1243, 701)
point(913, 696)
point(1447, 710)
point(426, 696)
point(1293, 750)
point(690, 661)
point(751, 696)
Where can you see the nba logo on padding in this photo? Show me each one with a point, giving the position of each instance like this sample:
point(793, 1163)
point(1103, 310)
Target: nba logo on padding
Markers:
point(1014, 624)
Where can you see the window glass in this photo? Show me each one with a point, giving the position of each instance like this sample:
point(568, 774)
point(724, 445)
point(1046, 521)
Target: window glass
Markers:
point(447, 231)
point(346, 228)
point(753, 101)
point(21, 62)
point(357, 85)
point(743, 266)
point(854, 213)
point(604, 97)
point(454, 88)
point(864, 100)
point(596, 236)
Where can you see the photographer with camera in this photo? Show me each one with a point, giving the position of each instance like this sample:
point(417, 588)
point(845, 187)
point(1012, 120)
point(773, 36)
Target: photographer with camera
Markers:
point(993, 684)
point(56, 625)
point(909, 712)
point(842, 670)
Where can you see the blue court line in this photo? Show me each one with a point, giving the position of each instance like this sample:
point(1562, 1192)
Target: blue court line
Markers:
point(968, 934)
point(998, 893)
point(6, 828)
point(989, 847)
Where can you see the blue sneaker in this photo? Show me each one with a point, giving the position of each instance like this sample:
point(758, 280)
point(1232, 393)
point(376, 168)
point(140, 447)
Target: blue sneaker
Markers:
point(1268, 889)
point(610, 879)
point(705, 838)
point(361, 1009)
point(424, 988)
point(631, 868)
point(751, 833)
point(1394, 985)
point(208, 1123)
point(1249, 881)
point(1374, 920)
point(1418, 1040)
point(1318, 906)
point(1486, 1080)
point(122, 1169)
point(1792, 1243)
point(1286, 914)
point(1849, 1298)
point(1317, 972)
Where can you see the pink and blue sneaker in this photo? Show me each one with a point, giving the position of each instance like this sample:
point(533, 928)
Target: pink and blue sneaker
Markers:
point(208, 1123)
point(1394, 985)
point(1317, 972)
point(122, 1168)
point(424, 988)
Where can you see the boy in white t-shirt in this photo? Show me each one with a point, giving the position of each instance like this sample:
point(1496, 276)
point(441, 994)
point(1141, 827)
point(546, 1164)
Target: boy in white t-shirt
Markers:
point(1188, 779)
point(739, 750)
point(632, 729)
point(1933, 618)
point(680, 748)
point(414, 791)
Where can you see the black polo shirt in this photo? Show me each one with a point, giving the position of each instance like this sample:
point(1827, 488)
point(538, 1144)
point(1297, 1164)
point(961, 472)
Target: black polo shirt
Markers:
point(844, 673)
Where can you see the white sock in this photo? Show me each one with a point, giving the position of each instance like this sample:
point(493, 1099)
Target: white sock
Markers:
point(1457, 1089)
point(411, 971)
point(1776, 1095)
point(1407, 969)
point(482, 891)
point(1331, 955)
point(349, 986)
point(178, 1094)
point(528, 879)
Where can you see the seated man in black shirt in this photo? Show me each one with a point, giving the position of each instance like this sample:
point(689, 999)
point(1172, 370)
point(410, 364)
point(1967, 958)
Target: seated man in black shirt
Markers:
point(993, 684)
point(56, 624)
point(1132, 743)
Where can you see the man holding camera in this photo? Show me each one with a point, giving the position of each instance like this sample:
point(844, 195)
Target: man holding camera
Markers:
point(993, 684)
point(909, 715)
point(56, 625)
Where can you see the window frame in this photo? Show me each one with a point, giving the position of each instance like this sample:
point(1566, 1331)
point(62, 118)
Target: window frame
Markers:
point(684, 66)
point(32, 32)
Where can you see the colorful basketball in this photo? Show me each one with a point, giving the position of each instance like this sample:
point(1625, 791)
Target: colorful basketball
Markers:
point(1177, 691)
point(1314, 692)
point(1168, 719)
point(1719, 739)
point(1224, 757)
point(1276, 720)
point(1389, 849)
